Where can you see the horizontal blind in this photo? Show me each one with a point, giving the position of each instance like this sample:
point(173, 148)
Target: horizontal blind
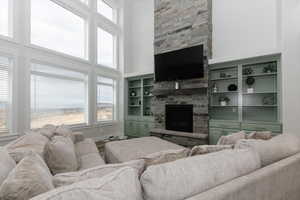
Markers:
point(4, 93)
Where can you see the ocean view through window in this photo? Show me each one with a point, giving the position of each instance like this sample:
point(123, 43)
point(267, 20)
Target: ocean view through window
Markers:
point(58, 96)
point(4, 94)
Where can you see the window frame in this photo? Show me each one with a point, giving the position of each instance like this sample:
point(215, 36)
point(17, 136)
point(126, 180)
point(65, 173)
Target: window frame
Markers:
point(75, 10)
point(113, 5)
point(114, 85)
point(62, 77)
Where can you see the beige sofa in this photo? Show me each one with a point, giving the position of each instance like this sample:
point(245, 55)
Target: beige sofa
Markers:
point(254, 169)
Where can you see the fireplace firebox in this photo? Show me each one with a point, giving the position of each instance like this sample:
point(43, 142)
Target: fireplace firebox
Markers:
point(179, 118)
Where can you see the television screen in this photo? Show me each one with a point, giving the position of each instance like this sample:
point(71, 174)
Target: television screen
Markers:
point(179, 65)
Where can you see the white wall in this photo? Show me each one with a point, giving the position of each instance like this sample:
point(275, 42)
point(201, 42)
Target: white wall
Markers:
point(244, 28)
point(291, 65)
point(139, 36)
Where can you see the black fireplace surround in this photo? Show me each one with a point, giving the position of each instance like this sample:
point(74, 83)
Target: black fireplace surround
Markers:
point(179, 118)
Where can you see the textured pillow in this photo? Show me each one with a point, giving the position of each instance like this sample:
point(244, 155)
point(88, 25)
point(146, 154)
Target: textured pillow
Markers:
point(205, 149)
point(273, 150)
point(7, 164)
point(260, 135)
point(120, 185)
point(232, 139)
point(165, 156)
point(65, 131)
point(187, 177)
point(25, 145)
point(96, 172)
point(88, 155)
point(60, 155)
point(29, 178)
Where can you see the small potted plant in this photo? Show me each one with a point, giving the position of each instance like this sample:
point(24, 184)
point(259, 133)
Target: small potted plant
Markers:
point(224, 100)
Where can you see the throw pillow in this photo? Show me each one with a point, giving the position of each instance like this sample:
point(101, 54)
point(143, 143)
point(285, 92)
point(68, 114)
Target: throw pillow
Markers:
point(205, 149)
point(60, 155)
point(123, 184)
point(29, 178)
point(7, 164)
point(260, 135)
point(273, 150)
point(65, 131)
point(96, 172)
point(232, 139)
point(165, 156)
point(25, 145)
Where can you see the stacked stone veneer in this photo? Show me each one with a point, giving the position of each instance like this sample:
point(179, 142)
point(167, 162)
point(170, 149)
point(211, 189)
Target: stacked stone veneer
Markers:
point(180, 24)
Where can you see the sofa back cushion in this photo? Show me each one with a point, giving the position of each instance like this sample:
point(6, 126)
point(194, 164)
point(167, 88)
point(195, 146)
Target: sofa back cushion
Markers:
point(187, 177)
point(25, 145)
point(29, 178)
point(88, 155)
point(273, 150)
point(96, 172)
point(60, 155)
point(205, 149)
point(120, 185)
point(7, 164)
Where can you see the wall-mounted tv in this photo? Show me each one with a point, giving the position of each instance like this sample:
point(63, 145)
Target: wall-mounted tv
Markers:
point(182, 64)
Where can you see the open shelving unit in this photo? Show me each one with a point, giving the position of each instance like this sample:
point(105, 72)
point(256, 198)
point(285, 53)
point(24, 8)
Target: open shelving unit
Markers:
point(256, 100)
point(139, 119)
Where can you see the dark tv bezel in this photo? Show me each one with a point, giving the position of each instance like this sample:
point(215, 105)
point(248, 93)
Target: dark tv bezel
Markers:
point(179, 50)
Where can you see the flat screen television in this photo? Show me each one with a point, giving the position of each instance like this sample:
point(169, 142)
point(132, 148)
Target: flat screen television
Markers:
point(182, 64)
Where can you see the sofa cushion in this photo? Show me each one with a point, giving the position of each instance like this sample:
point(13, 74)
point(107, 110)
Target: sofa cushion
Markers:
point(260, 135)
point(205, 149)
point(96, 172)
point(29, 178)
point(7, 164)
point(165, 156)
point(120, 185)
point(60, 155)
point(273, 150)
point(231, 139)
point(187, 177)
point(88, 154)
point(133, 149)
point(25, 145)
point(65, 131)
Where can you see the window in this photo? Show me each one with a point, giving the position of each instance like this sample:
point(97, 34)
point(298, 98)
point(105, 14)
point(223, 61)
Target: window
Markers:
point(106, 48)
point(58, 29)
point(105, 99)
point(106, 10)
point(58, 96)
point(5, 12)
point(4, 94)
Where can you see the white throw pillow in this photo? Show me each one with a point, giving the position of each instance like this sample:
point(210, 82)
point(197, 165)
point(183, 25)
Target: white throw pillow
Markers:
point(65, 131)
point(96, 172)
point(25, 145)
point(165, 156)
point(187, 177)
point(29, 178)
point(120, 185)
point(231, 139)
point(205, 149)
point(60, 155)
point(273, 150)
point(7, 164)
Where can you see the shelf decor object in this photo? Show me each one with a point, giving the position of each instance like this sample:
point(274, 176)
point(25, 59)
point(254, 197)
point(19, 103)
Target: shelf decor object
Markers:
point(139, 119)
point(254, 106)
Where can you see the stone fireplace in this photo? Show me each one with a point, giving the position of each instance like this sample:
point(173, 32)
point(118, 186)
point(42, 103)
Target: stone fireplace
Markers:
point(178, 25)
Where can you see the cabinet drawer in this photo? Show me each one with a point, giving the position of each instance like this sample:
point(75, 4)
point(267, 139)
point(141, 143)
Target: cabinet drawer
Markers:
point(224, 124)
point(276, 128)
point(216, 133)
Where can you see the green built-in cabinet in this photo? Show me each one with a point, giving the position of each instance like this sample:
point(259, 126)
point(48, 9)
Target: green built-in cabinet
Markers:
point(139, 119)
point(245, 95)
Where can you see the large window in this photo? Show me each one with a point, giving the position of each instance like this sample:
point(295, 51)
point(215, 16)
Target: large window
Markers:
point(58, 96)
point(5, 13)
point(106, 10)
point(106, 99)
point(58, 29)
point(106, 49)
point(4, 93)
